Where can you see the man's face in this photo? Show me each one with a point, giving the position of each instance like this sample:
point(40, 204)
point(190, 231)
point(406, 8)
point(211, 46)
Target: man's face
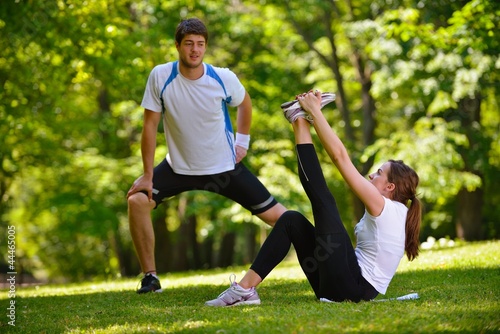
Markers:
point(192, 50)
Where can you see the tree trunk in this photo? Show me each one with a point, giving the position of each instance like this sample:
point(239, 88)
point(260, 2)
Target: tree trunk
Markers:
point(250, 252)
point(469, 214)
point(181, 259)
point(369, 122)
point(127, 259)
point(207, 252)
point(162, 240)
point(470, 203)
point(194, 247)
point(227, 249)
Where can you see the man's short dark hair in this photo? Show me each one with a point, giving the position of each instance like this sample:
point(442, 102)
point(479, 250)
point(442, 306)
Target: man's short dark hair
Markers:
point(191, 26)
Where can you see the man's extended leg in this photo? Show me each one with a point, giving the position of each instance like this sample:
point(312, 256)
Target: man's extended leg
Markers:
point(243, 187)
point(273, 214)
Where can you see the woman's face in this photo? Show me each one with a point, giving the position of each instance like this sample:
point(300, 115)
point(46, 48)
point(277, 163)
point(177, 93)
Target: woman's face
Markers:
point(380, 179)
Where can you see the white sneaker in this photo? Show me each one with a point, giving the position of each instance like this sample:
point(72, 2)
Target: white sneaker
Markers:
point(236, 295)
point(292, 109)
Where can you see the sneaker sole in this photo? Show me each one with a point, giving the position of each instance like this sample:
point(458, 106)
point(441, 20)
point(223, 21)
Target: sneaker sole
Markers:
point(150, 291)
point(294, 107)
point(326, 98)
point(248, 302)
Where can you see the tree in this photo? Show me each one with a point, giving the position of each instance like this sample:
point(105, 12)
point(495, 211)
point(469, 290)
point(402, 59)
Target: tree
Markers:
point(450, 71)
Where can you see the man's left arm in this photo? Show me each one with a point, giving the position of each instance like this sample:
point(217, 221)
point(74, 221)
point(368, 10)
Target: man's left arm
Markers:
point(243, 123)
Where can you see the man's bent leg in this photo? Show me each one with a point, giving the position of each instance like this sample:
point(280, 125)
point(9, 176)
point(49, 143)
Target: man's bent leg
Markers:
point(141, 230)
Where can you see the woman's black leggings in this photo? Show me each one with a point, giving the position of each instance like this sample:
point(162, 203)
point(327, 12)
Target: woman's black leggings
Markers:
point(324, 251)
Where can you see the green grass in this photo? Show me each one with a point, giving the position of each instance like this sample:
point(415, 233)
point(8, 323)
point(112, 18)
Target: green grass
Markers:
point(459, 291)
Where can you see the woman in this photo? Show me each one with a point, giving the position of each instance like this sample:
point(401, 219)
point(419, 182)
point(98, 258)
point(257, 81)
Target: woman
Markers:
point(334, 268)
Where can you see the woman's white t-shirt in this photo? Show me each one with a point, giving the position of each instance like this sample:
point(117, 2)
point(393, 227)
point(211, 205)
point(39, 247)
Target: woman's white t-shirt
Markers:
point(197, 126)
point(381, 243)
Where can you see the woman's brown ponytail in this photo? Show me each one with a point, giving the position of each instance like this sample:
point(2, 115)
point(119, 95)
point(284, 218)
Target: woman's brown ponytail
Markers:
point(406, 181)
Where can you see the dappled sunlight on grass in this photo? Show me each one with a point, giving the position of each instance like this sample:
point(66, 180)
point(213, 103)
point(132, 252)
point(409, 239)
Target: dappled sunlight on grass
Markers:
point(459, 290)
point(120, 329)
point(75, 288)
point(484, 255)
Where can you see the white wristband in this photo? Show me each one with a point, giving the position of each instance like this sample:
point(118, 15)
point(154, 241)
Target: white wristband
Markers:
point(242, 140)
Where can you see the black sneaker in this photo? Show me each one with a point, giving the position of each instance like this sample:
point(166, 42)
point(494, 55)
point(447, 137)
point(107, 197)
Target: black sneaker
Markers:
point(150, 283)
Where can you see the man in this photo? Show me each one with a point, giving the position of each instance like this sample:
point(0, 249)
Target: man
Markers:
point(192, 99)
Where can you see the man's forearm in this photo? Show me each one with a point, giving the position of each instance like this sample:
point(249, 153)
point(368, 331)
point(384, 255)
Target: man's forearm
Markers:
point(244, 118)
point(148, 147)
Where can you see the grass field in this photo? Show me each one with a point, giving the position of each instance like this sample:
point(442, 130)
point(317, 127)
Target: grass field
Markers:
point(459, 290)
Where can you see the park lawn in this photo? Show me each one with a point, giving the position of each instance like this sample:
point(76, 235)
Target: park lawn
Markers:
point(459, 290)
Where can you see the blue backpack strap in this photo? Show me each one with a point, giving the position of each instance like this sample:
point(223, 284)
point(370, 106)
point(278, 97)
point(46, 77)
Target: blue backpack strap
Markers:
point(172, 76)
point(225, 102)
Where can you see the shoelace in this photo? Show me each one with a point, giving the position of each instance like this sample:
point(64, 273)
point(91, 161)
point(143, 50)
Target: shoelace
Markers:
point(232, 281)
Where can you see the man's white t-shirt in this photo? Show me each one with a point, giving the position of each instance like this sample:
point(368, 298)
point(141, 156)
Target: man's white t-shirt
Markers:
point(381, 243)
point(197, 126)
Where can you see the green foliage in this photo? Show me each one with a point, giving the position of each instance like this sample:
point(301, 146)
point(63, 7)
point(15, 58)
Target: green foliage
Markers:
point(458, 289)
point(73, 76)
point(433, 73)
